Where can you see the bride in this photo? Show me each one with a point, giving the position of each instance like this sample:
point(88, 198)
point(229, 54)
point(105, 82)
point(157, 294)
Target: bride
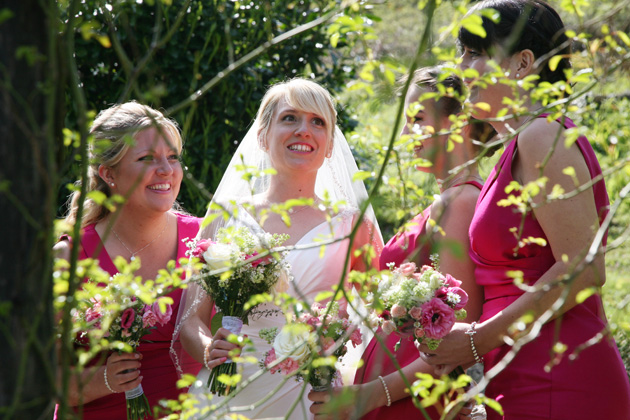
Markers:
point(295, 133)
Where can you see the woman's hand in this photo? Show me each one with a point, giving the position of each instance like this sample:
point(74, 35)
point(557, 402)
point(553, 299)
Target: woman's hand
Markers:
point(323, 411)
point(454, 350)
point(220, 350)
point(123, 371)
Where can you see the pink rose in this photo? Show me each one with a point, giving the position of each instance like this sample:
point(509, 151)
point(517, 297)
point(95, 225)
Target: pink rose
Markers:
point(418, 333)
point(407, 269)
point(271, 357)
point(256, 262)
point(437, 318)
point(202, 246)
point(149, 319)
point(127, 318)
point(388, 327)
point(416, 312)
point(162, 318)
point(425, 268)
point(355, 337)
point(398, 311)
point(288, 366)
point(94, 313)
point(451, 281)
point(463, 297)
point(125, 333)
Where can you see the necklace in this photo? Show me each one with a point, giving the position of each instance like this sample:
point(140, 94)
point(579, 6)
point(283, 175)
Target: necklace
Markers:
point(133, 254)
point(445, 185)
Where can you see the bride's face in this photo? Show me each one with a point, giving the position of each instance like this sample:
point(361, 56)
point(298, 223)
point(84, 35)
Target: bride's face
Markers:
point(297, 140)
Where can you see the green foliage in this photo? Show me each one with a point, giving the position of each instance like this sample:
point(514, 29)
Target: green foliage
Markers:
point(210, 37)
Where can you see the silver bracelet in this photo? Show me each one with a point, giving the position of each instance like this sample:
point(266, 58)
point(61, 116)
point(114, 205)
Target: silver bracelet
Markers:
point(389, 398)
point(471, 331)
point(106, 382)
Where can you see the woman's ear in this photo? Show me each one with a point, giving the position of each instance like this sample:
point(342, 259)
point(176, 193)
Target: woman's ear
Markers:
point(107, 175)
point(262, 140)
point(523, 63)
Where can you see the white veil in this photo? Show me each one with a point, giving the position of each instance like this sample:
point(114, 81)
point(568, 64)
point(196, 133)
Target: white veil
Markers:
point(335, 177)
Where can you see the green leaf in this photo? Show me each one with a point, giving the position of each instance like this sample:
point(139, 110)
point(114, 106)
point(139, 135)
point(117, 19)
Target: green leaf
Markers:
point(5, 14)
point(585, 294)
point(474, 24)
point(554, 61)
point(216, 322)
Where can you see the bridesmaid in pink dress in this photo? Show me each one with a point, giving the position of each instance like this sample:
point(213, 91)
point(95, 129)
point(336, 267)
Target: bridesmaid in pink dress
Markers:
point(579, 383)
point(453, 210)
point(145, 227)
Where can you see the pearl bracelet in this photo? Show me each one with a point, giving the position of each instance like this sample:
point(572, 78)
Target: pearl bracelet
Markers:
point(389, 398)
point(106, 382)
point(471, 331)
point(206, 355)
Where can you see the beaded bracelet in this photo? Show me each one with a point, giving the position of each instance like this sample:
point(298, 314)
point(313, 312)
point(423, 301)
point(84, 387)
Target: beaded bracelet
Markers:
point(106, 382)
point(389, 398)
point(206, 355)
point(471, 331)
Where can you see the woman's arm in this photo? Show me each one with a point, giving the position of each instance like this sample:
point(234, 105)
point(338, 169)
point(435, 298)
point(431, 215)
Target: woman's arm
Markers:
point(197, 339)
point(123, 372)
point(569, 225)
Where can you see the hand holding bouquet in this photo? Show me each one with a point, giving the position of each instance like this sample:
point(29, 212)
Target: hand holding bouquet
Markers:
point(128, 321)
point(310, 347)
point(425, 303)
point(231, 272)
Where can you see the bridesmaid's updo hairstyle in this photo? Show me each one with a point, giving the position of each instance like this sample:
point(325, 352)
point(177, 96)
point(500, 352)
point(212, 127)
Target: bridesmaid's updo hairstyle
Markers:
point(522, 25)
point(429, 78)
point(301, 94)
point(111, 133)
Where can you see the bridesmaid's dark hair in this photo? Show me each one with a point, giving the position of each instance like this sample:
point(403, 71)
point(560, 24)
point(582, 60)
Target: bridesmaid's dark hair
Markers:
point(522, 25)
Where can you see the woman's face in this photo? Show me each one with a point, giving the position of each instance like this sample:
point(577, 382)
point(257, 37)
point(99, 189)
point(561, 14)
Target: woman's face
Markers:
point(423, 118)
point(491, 94)
point(150, 171)
point(297, 140)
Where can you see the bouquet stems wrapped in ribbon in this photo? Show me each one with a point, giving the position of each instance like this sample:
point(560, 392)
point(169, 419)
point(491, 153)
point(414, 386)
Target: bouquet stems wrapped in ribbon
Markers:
point(310, 347)
point(232, 271)
point(128, 324)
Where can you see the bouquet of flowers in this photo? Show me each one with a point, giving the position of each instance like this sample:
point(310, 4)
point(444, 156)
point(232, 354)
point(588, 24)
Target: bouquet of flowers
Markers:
point(232, 271)
point(127, 323)
point(425, 304)
point(310, 347)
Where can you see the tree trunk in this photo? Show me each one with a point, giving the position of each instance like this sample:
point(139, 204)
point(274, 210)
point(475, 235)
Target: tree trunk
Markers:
point(28, 130)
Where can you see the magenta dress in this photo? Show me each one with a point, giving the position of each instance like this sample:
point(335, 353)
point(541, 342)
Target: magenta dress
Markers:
point(376, 362)
point(157, 368)
point(595, 385)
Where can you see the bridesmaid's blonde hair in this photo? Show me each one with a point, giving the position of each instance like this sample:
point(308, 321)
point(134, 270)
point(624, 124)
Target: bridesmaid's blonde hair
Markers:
point(111, 132)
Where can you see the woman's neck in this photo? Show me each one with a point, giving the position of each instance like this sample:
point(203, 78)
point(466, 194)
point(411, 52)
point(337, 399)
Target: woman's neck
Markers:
point(282, 188)
point(469, 173)
point(509, 126)
point(135, 230)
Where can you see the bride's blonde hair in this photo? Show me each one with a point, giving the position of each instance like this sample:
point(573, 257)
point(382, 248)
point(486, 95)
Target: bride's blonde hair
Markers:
point(301, 94)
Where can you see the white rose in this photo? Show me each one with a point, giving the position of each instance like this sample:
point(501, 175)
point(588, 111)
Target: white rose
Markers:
point(282, 284)
point(435, 281)
point(292, 343)
point(218, 255)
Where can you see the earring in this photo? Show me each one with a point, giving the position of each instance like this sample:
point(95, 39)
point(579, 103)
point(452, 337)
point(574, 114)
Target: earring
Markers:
point(518, 75)
point(112, 184)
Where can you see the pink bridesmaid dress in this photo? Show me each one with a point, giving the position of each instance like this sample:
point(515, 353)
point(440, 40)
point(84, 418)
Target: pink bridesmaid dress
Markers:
point(398, 250)
point(595, 384)
point(158, 370)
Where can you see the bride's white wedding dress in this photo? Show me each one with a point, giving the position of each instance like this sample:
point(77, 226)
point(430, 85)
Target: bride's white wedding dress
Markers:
point(267, 396)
